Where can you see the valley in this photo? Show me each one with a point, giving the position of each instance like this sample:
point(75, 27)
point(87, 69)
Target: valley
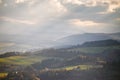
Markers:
point(78, 61)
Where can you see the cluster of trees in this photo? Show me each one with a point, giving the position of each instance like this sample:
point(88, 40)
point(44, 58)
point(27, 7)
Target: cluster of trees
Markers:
point(8, 54)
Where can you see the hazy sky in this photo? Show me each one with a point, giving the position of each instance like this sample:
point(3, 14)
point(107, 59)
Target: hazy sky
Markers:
point(32, 23)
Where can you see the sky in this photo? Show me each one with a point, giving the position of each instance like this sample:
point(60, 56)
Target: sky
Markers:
point(27, 24)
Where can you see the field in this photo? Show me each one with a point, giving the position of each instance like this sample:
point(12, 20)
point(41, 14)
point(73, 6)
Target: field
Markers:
point(3, 75)
point(77, 67)
point(94, 49)
point(83, 67)
point(22, 60)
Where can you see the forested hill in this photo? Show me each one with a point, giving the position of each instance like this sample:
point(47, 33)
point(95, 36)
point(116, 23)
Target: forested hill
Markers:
point(101, 43)
point(8, 54)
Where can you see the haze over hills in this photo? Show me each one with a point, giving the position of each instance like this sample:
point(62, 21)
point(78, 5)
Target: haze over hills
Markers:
point(115, 36)
point(86, 37)
point(25, 44)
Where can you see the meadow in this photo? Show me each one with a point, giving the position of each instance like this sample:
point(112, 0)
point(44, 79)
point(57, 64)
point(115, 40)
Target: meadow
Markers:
point(22, 60)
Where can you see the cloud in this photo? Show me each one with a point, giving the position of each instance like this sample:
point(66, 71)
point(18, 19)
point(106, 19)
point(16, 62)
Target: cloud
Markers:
point(38, 13)
point(10, 2)
point(90, 26)
point(88, 3)
point(20, 1)
point(78, 22)
point(30, 11)
point(49, 9)
point(0, 1)
point(111, 5)
point(78, 2)
point(12, 20)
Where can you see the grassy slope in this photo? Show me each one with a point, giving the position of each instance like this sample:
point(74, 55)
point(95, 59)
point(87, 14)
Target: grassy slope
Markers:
point(21, 60)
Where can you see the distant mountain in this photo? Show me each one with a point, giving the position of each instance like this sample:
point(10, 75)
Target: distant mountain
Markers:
point(86, 37)
point(115, 36)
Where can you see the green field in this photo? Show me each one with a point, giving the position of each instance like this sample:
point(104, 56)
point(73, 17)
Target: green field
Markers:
point(83, 67)
point(77, 67)
point(94, 49)
point(22, 60)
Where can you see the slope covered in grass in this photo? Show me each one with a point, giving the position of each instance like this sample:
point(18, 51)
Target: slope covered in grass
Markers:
point(21, 60)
